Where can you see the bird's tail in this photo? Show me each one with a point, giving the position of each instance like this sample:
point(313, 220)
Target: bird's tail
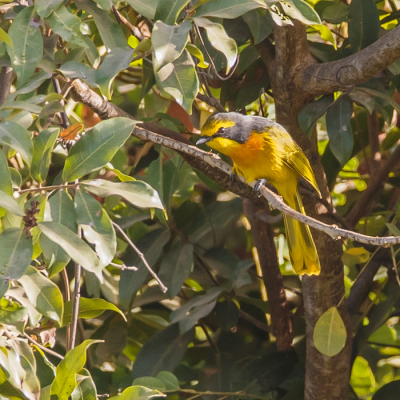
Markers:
point(302, 250)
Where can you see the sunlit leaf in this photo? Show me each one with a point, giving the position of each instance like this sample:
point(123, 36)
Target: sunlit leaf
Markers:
point(97, 147)
point(300, 10)
point(15, 136)
point(86, 388)
point(195, 51)
point(168, 10)
point(8, 202)
point(330, 333)
point(5, 38)
point(145, 7)
point(73, 245)
point(137, 393)
point(89, 308)
point(43, 294)
point(227, 8)
point(65, 380)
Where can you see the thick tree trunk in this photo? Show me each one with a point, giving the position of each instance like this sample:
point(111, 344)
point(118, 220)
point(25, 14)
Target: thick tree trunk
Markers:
point(326, 377)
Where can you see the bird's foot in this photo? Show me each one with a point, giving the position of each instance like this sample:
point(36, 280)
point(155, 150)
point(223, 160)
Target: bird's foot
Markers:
point(258, 184)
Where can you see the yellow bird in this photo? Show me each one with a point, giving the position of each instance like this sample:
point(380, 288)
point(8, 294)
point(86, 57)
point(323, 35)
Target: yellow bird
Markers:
point(261, 149)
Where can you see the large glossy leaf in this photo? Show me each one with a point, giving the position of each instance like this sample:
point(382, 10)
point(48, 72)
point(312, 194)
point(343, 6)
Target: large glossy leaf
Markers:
point(15, 136)
point(260, 25)
point(300, 10)
point(65, 380)
point(42, 147)
point(151, 245)
point(66, 25)
point(179, 79)
point(89, 308)
point(168, 42)
point(333, 12)
point(86, 388)
point(325, 33)
point(43, 294)
point(168, 10)
point(18, 294)
point(330, 333)
point(5, 181)
point(339, 129)
point(219, 40)
point(162, 352)
point(15, 255)
point(115, 61)
point(194, 309)
point(312, 112)
point(8, 202)
point(97, 147)
point(139, 193)
point(138, 393)
point(363, 24)
point(227, 8)
point(28, 45)
point(45, 7)
point(73, 245)
point(145, 7)
point(7, 389)
point(96, 226)
point(176, 266)
point(110, 31)
point(59, 208)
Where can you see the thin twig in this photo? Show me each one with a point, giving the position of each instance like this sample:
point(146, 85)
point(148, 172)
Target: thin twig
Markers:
point(141, 256)
point(75, 304)
point(134, 30)
point(258, 324)
point(67, 298)
point(64, 117)
point(123, 267)
point(46, 349)
point(211, 101)
point(395, 265)
point(48, 188)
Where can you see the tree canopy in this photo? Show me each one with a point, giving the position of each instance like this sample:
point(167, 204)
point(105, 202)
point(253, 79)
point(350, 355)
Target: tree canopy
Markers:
point(132, 264)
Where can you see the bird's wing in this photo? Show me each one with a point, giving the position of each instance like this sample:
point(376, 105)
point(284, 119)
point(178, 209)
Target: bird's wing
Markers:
point(297, 160)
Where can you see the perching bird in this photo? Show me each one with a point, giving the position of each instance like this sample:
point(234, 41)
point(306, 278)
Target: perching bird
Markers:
point(262, 149)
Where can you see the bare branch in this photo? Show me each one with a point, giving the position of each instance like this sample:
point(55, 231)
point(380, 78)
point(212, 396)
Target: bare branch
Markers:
point(321, 79)
point(6, 77)
point(45, 349)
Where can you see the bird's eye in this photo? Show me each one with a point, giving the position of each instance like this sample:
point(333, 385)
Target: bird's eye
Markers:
point(221, 130)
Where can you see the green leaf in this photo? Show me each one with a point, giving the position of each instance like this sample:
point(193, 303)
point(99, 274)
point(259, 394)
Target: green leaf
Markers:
point(5, 181)
point(179, 79)
point(260, 25)
point(110, 31)
point(96, 226)
point(162, 352)
point(11, 313)
point(326, 34)
point(312, 112)
point(176, 266)
point(300, 10)
point(75, 69)
point(330, 333)
point(364, 24)
point(28, 45)
point(59, 208)
point(89, 308)
point(65, 380)
point(145, 7)
point(115, 61)
point(339, 129)
point(73, 245)
point(22, 105)
point(105, 4)
point(8, 202)
point(45, 7)
point(390, 391)
point(227, 8)
point(196, 308)
point(43, 294)
point(67, 25)
point(169, 10)
point(43, 145)
point(33, 83)
point(86, 388)
point(219, 40)
point(137, 393)
point(169, 380)
point(139, 193)
point(149, 382)
point(332, 11)
point(18, 138)
point(97, 147)
point(195, 51)
point(18, 294)
point(5, 38)
point(15, 255)
point(362, 378)
point(169, 42)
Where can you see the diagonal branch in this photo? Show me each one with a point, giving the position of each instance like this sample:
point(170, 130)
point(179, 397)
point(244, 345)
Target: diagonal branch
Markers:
point(321, 79)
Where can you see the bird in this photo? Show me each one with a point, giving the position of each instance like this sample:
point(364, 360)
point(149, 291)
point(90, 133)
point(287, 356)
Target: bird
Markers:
point(262, 150)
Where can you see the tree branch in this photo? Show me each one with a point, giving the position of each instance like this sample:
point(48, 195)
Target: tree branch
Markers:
point(320, 79)
point(6, 77)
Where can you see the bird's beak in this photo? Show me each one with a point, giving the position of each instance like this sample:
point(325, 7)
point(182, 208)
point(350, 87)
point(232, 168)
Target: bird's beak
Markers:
point(204, 140)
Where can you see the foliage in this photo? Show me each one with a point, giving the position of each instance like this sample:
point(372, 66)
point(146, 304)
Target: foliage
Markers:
point(209, 331)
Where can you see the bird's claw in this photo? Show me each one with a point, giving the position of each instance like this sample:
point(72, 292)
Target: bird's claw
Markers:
point(258, 184)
